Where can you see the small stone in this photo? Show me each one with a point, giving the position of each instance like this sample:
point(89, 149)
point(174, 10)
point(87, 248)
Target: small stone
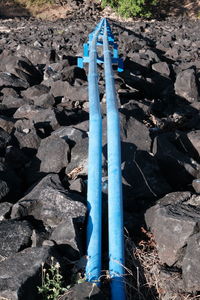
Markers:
point(196, 185)
point(162, 68)
point(5, 209)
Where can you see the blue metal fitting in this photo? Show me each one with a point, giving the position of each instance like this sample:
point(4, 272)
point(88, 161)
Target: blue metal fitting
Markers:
point(100, 60)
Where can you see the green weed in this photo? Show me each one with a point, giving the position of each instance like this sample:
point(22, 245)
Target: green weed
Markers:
point(52, 282)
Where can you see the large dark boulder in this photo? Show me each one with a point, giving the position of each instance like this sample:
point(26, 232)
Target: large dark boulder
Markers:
point(174, 218)
point(78, 142)
point(5, 140)
point(20, 274)
point(28, 140)
point(15, 158)
point(21, 67)
point(11, 102)
point(72, 73)
point(42, 117)
point(67, 236)
point(134, 132)
point(6, 124)
point(37, 55)
point(35, 91)
point(176, 157)
point(49, 202)
point(193, 137)
point(14, 236)
point(191, 269)
point(186, 86)
point(26, 111)
point(141, 176)
point(53, 154)
point(10, 184)
point(64, 88)
point(10, 80)
point(39, 95)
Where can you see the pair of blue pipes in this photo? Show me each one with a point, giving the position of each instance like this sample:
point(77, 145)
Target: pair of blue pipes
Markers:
point(103, 36)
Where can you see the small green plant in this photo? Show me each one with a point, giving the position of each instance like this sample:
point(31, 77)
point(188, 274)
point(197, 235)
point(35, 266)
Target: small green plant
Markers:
point(132, 8)
point(52, 282)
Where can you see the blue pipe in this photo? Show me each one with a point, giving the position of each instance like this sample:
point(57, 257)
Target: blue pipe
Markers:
point(115, 205)
point(94, 201)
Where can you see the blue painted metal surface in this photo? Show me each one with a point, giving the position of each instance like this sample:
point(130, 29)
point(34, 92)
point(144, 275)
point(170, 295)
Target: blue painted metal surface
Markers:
point(100, 60)
point(102, 36)
point(115, 205)
point(93, 269)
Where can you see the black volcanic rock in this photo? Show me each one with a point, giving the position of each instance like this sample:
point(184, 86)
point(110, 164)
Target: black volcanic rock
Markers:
point(186, 86)
point(53, 154)
point(71, 73)
point(171, 219)
point(14, 236)
point(20, 273)
point(142, 177)
point(6, 124)
point(28, 140)
point(64, 88)
point(196, 185)
point(78, 142)
point(191, 270)
point(35, 91)
point(49, 202)
point(135, 133)
point(5, 139)
point(11, 102)
point(16, 158)
point(41, 117)
point(39, 96)
point(10, 80)
point(35, 54)
point(162, 68)
point(67, 237)
point(80, 291)
point(172, 151)
point(21, 67)
point(5, 209)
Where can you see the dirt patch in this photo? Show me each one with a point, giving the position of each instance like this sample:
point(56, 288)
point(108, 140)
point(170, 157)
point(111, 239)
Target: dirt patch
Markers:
point(179, 8)
point(51, 12)
point(12, 9)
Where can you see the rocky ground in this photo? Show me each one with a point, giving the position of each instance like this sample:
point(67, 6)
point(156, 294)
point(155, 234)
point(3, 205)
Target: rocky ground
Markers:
point(44, 113)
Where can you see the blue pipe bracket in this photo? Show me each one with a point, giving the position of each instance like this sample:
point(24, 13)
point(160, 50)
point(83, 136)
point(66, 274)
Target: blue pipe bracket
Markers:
point(115, 57)
point(102, 36)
